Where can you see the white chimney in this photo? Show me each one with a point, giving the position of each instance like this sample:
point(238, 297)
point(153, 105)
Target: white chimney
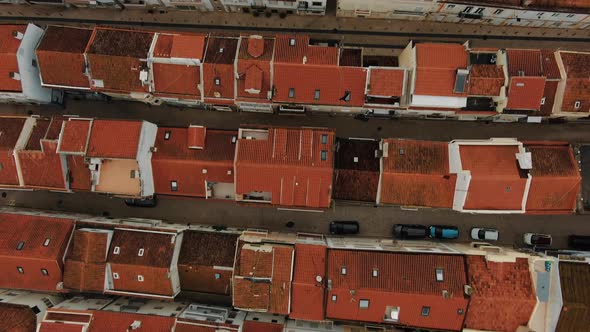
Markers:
point(18, 35)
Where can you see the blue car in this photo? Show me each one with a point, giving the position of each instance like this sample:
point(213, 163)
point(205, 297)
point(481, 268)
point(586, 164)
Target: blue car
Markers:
point(443, 232)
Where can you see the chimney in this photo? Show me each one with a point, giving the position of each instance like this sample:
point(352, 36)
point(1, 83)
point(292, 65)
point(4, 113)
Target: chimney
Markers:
point(304, 59)
point(18, 35)
point(134, 326)
point(15, 76)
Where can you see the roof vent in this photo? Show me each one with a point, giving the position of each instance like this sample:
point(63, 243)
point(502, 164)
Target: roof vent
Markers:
point(446, 295)
point(18, 35)
point(221, 50)
point(402, 151)
point(143, 76)
point(14, 75)
point(318, 279)
point(525, 160)
point(355, 159)
point(467, 290)
point(135, 325)
point(304, 59)
point(292, 42)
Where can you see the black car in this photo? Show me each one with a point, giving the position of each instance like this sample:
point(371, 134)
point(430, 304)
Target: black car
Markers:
point(139, 202)
point(416, 232)
point(579, 242)
point(344, 227)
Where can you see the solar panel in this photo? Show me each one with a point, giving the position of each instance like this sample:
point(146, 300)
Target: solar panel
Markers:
point(461, 80)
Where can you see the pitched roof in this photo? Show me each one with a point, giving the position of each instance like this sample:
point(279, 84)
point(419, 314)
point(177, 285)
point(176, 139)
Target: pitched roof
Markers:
point(114, 58)
point(577, 90)
point(85, 264)
point(436, 68)
point(218, 67)
point(197, 270)
point(254, 326)
point(10, 130)
point(485, 80)
point(503, 296)
point(308, 292)
point(74, 136)
point(386, 82)
point(32, 243)
point(174, 161)
point(79, 173)
point(288, 164)
point(103, 320)
point(526, 93)
point(575, 313)
point(185, 45)
point(496, 181)
point(262, 277)
point(196, 137)
point(43, 168)
point(114, 139)
point(356, 176)
point(524, 62)
point(174, 80)
point(406, 281)
point(37, 134)
point(417, 173)
point(60, 56)
point(296, 49)
point(254, 72)
point(556, 180)
point(8, 64)
point(17, 318)
point(549, 63)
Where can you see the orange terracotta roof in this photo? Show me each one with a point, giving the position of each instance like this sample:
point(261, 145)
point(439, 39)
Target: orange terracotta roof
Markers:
point(549, 95)
point(218, 81)
point(8, 47)
point(253, 326)
point(255, 46)
point(74, 136)
point(334, 84)
point(85, 264)
point(289, 165)
point(441, 56)
point(187, 46)
point(485, 80)
point(407, 281)
point(308, 294)
point(174, 161)
point(23, 239)
point(526, 93)
point(17, 318)
point(524, 62)
point(181, 81)
point(386, 82)
point(437, 82)
point(60, 56)
point(191, 325)
point(10, 129)
point(503, 296)
point(302, 52)
point(196, 137)
point(549, 63)
point(496, 182)
point(114, 139)
point(60, 327)
point(254, 79)
point(119, 321)
point(417, 173)
point(577, 69)
point(43, 168)
point(79, 173)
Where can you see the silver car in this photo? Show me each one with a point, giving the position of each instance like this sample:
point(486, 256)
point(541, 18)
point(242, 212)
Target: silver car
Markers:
point(485, 234)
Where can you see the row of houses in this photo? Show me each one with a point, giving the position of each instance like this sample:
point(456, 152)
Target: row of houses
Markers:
point(285, 167)
point(293, 73)
point(304, 281)
point(523, 13)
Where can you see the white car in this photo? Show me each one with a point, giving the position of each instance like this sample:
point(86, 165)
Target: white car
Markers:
point(536, 239)
point(486, 234)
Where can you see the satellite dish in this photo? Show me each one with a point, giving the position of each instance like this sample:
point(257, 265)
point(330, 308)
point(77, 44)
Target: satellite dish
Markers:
point(318, 278)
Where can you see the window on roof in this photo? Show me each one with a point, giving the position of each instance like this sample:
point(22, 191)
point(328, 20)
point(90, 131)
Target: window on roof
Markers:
point(508, 189)
point(364, 304)
point(44, 272)
point(543, 101)
point(440, 275)
point(46, 242)
point(167, 135)
point(450, 6)
point(468, 9)
point(173, 185)
point(316, 95)
point(577, 104)
point(291, 92)
point(217, 81)
point(324, 139)
point(291, 41)
point(346, 96)
point(521, 73)
point(217, 276)
point(555, 15)
point(139, 278)
point(334, 298)
point(36, 309)
point(132, 174)
point(425, 311)
point(343, 270)
point(20, 245)
point(375, 273)
point(498, 11)
point(34, 63)
point(115, 275)
point(571, 15)
point(324, 155)
point(140, 252)
point(20, 269)
point(117, 250)
point(479, 10)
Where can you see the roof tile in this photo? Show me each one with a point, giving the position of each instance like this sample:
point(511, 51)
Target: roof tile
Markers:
point(386, 82)
point(8, 64)
point(524, 63)
point(114, 139)
point(308, 293)
point(526, 93)
point(485, 80)
point(74, 136)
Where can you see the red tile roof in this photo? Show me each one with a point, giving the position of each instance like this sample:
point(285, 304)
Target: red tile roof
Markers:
point(485, 80)
point(524, 62)
point(219, 64)
point(549, 63)
point(114, 57)
point(417, 173)
point(60, 327)
point(43, 168)
point(74, 136)
point(253, 326)
point(187, 46)
point(437, 82)
point(549, 95)
point(334, 84)
point(526, 93)
point(177, 81)
point(17, 318)
point(255, 46)
point(556, 180)
point(262, 278)
point(577, 89)
point(436, 69)
point(254, 79)
point(32, 232)
point(575, 281)
point(308, 294)
point(8, 47)
point(386, 82)
point(79, 175)
point(175, 161)
point(503, 296)
point(289, 165)
point(496, 182)
point(191, 325)
point(302, 52)
point(60, 56)
point(407, 281)
point(119, 321)
point(196, 137)
point(114, 139)
point(154, 264)
point(10, 130)
point(85, 264)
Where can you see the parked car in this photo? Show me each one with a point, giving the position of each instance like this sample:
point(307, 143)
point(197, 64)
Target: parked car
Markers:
point(486, 234)
point(579, 242)
point(443, 232)
point(139, 202)
point(344, 227)
point(536, 239)
point(410, 231)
